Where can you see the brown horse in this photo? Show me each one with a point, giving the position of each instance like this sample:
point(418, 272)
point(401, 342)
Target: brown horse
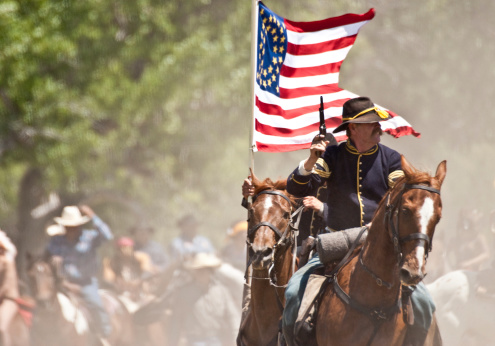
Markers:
point(362, 306)
point(13, 329)
point(271, 242)
point(64, 312)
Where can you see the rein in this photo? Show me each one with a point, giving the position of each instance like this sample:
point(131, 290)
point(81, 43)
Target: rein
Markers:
point(379, 315)
point(281, 243)
point(392, 213)
point(392, 219)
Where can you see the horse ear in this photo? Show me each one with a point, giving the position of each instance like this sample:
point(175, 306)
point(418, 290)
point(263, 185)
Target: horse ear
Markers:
point(441, 172)
point(254, 179)
point(406, 166)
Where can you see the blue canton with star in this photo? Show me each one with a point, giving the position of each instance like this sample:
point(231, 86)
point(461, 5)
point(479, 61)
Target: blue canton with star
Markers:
point(271, 49)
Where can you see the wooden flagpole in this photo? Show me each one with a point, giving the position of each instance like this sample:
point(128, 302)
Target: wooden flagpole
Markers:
point(254, 37)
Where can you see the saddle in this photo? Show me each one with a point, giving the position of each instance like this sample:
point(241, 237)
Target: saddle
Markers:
point(334, 251)
point(74, 310)
point(304, 328)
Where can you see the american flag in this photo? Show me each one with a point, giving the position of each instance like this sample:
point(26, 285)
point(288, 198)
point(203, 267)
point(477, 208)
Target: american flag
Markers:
point(296, 62)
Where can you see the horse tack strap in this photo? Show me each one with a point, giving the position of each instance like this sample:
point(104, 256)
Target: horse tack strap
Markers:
point(295, 228)
point(268, 224)
point(421, 187)
point(393, 211)
point(420, 236)
point(380, 282)
point(377, 315)
point(272, 192)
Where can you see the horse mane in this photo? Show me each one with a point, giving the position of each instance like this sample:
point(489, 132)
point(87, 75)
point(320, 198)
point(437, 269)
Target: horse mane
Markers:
point(269, 184)
point(415, 176)
point(8, 246)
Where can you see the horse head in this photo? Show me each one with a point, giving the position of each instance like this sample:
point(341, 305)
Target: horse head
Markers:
point(42, 281)
point(414, 208)
point(269, 221)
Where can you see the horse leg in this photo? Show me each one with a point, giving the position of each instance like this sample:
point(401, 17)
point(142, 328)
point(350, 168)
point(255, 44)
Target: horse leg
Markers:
point(244, 328)
point(8, 310)
point(433, 338)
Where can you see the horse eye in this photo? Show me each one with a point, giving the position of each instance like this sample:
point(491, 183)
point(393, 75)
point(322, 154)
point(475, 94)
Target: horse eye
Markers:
point(405, 211)
point(286, 215)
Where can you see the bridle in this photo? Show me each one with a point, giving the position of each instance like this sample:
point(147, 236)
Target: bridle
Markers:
point(392, 220)
point(282, 235)
point(43, 271)
point(392, 216)
point(379, 315)
point(287, 237)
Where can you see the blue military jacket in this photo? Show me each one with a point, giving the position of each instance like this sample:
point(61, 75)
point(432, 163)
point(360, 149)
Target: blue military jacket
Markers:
point(356, 182)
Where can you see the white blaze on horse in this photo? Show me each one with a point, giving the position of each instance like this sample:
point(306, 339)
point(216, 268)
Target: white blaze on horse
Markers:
point(464, 313)
point(362, 306)
point(271, 243)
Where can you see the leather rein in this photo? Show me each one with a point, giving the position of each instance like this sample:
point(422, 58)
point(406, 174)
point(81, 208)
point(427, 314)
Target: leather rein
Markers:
point(392, 219)
point(379, 315)
point(286, 238)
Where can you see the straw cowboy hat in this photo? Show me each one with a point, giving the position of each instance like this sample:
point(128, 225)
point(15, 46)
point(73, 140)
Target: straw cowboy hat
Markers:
point(55, 229)
point(361, 110)
point(71, 217)
point(203, 260)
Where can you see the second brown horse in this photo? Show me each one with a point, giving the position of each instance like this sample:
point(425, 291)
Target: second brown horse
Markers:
point(270, 244)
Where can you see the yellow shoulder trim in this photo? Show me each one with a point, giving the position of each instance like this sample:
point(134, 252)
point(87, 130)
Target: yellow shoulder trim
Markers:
point(322, 173)
point(325, 172)
point(323, 164)
point(392, 177)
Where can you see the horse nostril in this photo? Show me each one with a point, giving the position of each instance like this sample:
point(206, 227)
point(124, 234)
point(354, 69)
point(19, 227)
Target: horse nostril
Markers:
point(409, 278)
point(405, 275)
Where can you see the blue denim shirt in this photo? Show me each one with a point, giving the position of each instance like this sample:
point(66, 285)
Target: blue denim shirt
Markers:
point(80, 260)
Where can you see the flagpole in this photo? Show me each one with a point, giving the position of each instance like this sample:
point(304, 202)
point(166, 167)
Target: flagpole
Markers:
point(254, 37)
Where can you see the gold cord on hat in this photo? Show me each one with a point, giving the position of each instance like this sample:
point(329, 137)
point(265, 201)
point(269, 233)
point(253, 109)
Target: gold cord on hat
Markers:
point(381, 113)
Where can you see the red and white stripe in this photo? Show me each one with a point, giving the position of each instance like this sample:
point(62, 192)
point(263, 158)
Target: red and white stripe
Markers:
point(315, 53)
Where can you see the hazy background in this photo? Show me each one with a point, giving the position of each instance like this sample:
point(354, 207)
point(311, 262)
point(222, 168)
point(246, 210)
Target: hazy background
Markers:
point(142, 108)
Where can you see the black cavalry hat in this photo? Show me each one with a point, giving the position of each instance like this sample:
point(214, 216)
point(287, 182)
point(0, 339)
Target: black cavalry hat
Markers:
point(360, 110)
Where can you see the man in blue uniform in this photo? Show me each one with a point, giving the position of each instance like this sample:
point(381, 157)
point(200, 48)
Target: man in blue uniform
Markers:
point(357, 172)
